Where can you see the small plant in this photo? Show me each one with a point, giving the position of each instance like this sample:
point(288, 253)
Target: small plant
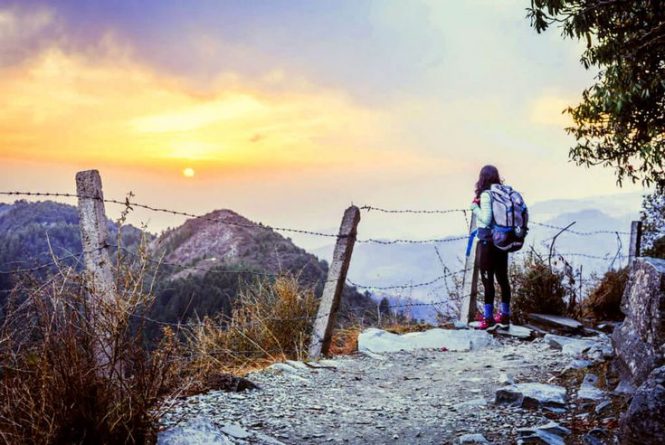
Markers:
point(604, 301)
point(537, 289)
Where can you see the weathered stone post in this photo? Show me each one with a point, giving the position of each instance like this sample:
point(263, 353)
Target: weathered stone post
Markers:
point(94, 238)
point(94, 233)
point(332, 290)
point(635, 241)
point(468, 307)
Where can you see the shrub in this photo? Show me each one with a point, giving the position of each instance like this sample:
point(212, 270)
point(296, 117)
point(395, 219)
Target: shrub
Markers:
point(604, 301)
point(270, 321)
point(74, 371)
point(657, 249)
point(536, 289)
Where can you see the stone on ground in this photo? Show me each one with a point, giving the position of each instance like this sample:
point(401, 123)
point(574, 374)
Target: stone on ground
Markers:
point(549, 434)
point(196, 432)
point(235, 430)
point(589, 391)
point(597, 348)
point(378, 340)
point(472, 438)
point(531, 395)
point(557, 321)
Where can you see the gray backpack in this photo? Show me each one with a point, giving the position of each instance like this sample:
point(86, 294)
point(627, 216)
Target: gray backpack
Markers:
point(510, 218)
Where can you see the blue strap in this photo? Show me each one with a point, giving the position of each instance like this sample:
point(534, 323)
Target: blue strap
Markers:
point(501, 229)
point(469, 244)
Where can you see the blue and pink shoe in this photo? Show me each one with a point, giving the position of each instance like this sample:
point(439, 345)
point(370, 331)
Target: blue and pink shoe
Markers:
point(502, 320)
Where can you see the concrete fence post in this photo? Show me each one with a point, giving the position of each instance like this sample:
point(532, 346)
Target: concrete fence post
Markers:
point(97, 261)
point(94, 233)
point(635, 247)
point(468, 307)
point(334, 285)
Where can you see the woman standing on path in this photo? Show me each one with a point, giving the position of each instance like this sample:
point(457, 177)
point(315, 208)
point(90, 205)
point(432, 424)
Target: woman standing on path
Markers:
point(491, 261)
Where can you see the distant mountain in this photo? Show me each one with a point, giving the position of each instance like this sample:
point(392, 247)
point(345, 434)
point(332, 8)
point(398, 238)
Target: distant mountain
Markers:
point(218, 252)
point(224, 237)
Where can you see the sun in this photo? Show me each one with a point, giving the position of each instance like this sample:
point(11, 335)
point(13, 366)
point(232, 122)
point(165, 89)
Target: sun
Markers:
point(188, 172)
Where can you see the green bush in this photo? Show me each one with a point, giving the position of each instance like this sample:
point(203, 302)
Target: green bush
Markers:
point(536, 289)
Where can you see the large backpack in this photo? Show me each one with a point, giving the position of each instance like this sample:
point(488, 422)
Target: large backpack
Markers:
point(510, 218)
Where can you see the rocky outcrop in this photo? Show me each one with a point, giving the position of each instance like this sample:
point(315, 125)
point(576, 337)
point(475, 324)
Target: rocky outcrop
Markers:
point(640, 340)
point(639, 344)
point(643, 422)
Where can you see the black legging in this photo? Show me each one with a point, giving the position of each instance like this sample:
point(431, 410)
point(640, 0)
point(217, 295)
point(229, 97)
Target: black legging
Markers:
point(493, 262)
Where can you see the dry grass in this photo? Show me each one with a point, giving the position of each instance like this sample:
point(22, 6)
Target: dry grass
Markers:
point(345, 341)
point(74, 369)
point(604, 301)
point(271, 321)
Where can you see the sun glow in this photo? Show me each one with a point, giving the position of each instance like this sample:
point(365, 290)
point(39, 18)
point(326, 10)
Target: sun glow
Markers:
point(127, 114)
point(188, 172)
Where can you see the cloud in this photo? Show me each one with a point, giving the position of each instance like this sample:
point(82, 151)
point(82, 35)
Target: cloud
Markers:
point(61, 105)
point(25, 31)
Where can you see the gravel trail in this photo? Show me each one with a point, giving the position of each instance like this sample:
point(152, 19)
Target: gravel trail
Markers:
point(417, 397)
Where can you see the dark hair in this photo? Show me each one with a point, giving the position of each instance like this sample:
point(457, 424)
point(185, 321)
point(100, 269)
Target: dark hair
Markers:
point(488, 175)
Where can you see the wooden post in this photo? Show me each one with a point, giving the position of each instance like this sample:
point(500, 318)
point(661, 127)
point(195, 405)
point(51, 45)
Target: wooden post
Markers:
point(332, 290)
point(94, 233)
point(635, 241)
point(468, 307)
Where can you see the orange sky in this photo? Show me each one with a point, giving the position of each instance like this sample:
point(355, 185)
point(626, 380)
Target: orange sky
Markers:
point(292, 132)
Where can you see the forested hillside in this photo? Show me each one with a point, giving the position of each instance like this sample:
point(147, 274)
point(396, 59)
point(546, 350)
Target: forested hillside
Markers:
point(199, 267)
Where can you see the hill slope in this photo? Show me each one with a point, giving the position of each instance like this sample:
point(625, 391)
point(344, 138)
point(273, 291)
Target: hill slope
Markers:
point(31, 232)
point(207, 260)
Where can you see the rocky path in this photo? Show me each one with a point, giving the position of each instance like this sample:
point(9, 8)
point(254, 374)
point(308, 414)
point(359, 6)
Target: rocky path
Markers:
point(427, 396)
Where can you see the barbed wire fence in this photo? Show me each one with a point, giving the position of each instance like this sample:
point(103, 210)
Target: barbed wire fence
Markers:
point(345, 239)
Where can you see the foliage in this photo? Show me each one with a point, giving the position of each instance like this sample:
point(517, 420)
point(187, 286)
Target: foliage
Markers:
point(604, 301)
point(32, 232)
point(620, 122)
point(537, 289)
point(653, 223)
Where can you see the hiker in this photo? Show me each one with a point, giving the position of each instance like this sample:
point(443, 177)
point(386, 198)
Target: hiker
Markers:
point(497, 235)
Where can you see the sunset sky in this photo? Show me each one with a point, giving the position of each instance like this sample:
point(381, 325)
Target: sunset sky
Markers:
point(288, 111)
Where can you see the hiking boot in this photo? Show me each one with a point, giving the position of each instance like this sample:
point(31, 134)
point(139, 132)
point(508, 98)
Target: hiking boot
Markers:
point(502, 320)
point(487, 324)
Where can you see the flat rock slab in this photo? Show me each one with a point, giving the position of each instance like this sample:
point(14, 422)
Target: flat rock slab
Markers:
point(557, 321)
point(235, 430)
point(531, 395)
point(549, 434)
point(195, 432)
point(472, 438)
point(577, 346)
point(378, 340)
point(589, 390)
